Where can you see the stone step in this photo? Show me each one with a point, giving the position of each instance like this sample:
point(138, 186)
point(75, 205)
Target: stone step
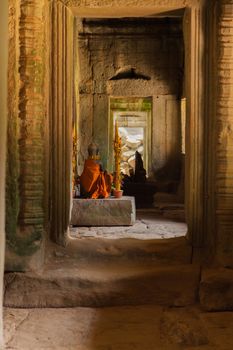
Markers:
point(171, 251)
point(216, 289)
point(103, 285)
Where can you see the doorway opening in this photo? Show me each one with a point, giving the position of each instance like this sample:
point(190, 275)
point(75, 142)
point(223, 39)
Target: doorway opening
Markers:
point(133, 116)
point(132, 71)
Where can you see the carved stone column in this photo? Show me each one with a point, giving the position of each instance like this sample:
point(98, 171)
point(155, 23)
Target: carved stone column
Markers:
point(193, 23)
point(32, 117)
point(61, 118)
point(26, 210)
point(224, 133)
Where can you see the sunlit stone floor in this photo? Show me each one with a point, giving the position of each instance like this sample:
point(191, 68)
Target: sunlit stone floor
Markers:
point(148, 226)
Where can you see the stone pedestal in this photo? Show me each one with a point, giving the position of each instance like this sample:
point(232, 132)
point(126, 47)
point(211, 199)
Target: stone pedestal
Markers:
point(103, 212)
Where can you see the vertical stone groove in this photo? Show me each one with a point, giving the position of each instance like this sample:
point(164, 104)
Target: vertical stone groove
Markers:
point(61, 119)
point(194, 168)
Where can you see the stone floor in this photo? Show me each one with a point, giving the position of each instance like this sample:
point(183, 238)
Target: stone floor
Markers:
point(107, 270)
point(149, 225)
point(119, 328)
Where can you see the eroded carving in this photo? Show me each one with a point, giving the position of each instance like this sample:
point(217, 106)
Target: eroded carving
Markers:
point(26, 126)
point(127, 3)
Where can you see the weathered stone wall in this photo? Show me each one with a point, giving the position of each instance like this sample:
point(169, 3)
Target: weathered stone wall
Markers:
point(25, 219)
point(39, 148)
point(224, 133)
point(3, 116)
point(12, 189)
point(154, 48)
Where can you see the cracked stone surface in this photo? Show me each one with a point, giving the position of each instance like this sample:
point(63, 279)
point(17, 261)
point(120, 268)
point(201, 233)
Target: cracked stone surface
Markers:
point(118, 328)
point(147, 226)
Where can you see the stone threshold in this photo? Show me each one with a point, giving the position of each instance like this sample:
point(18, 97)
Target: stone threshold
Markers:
point(171, 251)
point(103, 285)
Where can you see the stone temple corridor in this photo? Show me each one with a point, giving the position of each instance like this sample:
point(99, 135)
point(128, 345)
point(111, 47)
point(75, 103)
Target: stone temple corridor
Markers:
point(124, 104)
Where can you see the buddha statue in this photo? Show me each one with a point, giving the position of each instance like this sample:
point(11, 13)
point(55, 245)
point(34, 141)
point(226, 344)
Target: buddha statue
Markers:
point(94, 182)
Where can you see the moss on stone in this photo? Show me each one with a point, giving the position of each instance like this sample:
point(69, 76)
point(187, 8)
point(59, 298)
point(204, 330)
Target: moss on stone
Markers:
point(27, 245)
point(12, 174)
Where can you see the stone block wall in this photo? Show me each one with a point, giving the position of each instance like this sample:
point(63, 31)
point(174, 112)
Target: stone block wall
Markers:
point(103, 47)
point(224, 133)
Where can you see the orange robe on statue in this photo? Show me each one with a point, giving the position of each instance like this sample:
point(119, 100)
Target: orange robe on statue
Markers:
point(96, 183)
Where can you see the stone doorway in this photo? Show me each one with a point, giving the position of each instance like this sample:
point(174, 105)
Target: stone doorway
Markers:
point(133, 116)
point(193, 57)
point(101, 72)
point(155, 119)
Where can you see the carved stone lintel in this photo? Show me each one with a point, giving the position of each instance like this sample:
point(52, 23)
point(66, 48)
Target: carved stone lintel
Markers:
point(125, 3)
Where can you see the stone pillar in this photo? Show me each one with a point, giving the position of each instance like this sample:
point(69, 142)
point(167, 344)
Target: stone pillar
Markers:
point(61, 114)
point(224, 133)
point(26, 177)
point(193, 23)
point(3, 111)
point(32, 117)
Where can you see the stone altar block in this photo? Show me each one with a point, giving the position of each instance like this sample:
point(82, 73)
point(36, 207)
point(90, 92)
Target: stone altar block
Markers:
point(103, 212)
